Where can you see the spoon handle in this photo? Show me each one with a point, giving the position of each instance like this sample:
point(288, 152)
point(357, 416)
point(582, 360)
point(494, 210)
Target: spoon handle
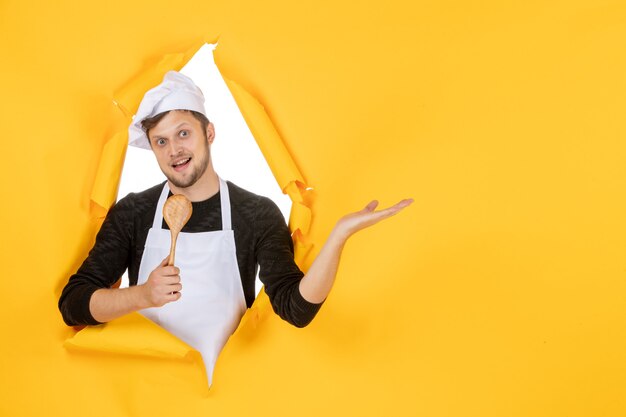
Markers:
point(174, 235)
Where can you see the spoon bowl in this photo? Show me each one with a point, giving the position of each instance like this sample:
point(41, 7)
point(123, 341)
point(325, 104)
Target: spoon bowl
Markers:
point(176, 212)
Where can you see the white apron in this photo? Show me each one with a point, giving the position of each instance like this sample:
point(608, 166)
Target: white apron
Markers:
point(212, 301)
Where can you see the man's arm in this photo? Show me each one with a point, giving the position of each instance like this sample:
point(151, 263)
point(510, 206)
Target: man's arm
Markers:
point(162, 286)
point(295, 297)
point(88, 298)
point(102, 268)
point(318, 281)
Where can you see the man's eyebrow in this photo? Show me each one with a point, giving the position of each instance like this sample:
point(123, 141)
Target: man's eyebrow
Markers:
point(176, 128)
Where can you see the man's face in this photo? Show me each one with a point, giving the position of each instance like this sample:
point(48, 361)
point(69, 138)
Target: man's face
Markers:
point(181, 147)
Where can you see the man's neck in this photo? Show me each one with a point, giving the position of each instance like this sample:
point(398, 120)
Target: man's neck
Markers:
point(206, 187)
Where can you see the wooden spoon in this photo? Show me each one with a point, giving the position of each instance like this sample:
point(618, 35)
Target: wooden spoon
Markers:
point(176, 212)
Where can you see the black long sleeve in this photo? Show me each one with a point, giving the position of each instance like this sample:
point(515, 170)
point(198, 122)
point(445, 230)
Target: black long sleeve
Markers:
point(261, 238)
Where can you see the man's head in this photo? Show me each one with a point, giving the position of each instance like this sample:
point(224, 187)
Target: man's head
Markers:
point(181, 142)
point(172, 122)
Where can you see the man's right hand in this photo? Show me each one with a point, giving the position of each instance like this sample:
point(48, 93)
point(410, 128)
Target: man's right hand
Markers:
point(163, 285)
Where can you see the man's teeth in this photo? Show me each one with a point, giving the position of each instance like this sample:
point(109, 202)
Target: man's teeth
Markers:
point(184, 161)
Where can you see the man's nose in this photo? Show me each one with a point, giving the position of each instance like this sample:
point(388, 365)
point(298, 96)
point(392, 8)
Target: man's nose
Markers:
point(174, 147)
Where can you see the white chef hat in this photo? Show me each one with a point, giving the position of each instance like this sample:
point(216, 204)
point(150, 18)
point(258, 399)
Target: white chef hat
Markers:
point(176, 92)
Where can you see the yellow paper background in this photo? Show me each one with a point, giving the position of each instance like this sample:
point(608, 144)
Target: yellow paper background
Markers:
point(499, 292)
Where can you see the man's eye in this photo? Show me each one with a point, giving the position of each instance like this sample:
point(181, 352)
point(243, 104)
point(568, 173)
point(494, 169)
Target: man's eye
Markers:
point(184, 133)
point(160, 141)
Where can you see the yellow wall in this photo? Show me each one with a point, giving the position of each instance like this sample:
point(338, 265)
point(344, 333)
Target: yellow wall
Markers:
point(500, 292)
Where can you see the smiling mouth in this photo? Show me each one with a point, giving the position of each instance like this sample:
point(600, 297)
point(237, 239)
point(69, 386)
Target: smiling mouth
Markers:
point(182, 164)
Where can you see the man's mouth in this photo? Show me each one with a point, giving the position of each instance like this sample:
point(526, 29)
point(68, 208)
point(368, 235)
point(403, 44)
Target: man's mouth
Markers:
point(182, 164)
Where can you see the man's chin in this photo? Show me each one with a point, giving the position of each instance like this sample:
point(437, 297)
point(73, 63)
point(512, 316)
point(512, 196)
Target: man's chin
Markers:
point(181, 184)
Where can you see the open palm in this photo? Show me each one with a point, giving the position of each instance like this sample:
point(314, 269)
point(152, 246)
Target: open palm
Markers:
point(353, 222)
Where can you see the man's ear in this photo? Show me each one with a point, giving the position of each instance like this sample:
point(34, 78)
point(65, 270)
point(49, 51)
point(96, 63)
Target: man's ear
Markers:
point(210, 133)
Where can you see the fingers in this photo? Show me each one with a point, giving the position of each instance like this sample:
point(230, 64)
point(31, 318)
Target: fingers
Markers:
point(172, 297)
point(402, 204)
point(163, 284)
point(376, 216)
point(353, 222)
point(168, 271)
point(162, 289)
point(166, 289)
point(371, 206)
point(399, 206)
point(165, 269)
point(389, 211)
point(173, 293)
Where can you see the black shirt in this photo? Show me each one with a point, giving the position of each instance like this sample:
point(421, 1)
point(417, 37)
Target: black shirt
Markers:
point(261, 238)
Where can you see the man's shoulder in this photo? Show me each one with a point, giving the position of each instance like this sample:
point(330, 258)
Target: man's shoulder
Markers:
point(252, 206)
point(241, 196)
point(141, 201)
point(152, 193)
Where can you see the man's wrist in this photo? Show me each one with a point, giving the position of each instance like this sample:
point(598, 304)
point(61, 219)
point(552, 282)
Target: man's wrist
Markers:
point(338, 236)
point(139, 300)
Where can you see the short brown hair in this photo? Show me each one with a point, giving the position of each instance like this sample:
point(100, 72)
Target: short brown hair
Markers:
point(150, 122)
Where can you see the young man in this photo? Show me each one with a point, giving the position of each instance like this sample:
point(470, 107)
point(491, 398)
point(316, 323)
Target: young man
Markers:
point(232, 231)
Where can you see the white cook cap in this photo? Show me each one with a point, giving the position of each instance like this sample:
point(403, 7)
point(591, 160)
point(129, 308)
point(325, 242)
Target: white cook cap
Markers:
point(176, 92)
